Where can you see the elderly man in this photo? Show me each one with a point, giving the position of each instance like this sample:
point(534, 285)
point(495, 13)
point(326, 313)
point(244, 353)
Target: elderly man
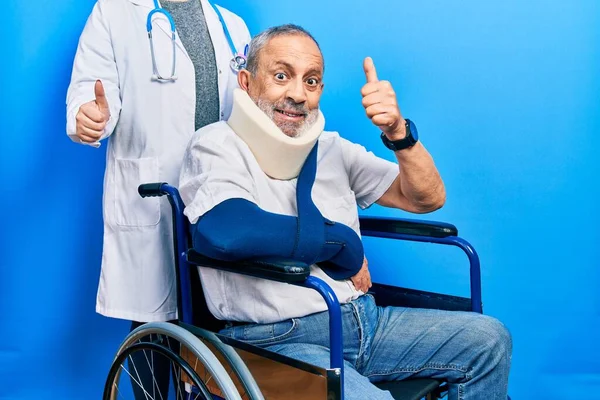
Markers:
point(246, 193)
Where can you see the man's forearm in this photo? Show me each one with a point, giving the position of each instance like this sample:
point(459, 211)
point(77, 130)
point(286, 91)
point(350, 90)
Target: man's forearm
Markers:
point(420, 181)
point(237, 229)
point(418, 187)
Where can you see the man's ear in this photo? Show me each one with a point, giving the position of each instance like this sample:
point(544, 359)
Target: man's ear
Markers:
point(244, 80)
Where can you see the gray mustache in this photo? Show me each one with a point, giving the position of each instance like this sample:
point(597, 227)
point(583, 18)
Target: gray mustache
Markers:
point(288, 104)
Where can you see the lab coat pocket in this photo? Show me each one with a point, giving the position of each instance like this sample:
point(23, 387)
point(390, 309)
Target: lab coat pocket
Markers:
point(130, 208)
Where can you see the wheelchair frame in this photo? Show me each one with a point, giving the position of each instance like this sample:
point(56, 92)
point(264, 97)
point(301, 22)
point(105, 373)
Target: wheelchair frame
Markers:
point(297, 273)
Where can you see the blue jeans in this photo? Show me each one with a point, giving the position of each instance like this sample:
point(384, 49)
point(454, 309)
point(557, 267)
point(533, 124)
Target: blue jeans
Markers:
point(472, 352)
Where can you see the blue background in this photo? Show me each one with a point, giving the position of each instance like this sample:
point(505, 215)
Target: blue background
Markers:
point(506, 98)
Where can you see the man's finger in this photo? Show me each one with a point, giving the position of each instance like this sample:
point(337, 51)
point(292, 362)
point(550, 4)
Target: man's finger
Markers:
point(94, 114)
point(369, 88)
point(385, 119)
point(84, 120)
point(100, 96)
point(373, 98)
point(91, 133)
point(85, 138)
point(376, 109)
point(370, 71)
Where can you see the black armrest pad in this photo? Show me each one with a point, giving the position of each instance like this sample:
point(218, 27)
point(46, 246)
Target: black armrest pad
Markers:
point(406, 226)
point(281, 270)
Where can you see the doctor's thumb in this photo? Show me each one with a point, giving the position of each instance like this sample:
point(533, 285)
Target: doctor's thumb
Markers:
point(101, 101)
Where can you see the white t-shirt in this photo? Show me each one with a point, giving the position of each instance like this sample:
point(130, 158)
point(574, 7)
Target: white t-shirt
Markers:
point(218, 166)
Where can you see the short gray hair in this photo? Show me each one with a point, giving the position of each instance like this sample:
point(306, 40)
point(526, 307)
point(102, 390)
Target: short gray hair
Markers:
point(259, 41)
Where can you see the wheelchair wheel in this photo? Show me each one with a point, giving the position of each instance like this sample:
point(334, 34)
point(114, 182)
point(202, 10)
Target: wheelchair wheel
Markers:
point(234, 365)
point(166, 345)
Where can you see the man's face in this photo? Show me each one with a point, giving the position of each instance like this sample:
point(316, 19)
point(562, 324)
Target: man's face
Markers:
point(288, 83)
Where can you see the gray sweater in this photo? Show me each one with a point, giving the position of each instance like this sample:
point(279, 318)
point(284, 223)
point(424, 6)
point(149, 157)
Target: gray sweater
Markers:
point(192, 29)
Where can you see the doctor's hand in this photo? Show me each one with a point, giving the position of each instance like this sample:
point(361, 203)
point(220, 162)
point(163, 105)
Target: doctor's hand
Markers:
point(362, 280)
point(92, 116)
point(379, 101)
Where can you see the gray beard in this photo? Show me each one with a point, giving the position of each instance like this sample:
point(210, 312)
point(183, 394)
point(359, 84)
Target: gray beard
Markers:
point(291, 129)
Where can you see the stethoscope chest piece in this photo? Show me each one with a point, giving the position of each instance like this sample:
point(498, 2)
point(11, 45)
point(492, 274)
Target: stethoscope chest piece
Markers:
point(238, 63)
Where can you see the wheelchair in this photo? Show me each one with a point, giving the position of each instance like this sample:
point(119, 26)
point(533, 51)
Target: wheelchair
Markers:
point(206, 365)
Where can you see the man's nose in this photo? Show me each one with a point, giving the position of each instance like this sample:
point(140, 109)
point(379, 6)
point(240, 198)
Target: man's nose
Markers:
point(296, 91)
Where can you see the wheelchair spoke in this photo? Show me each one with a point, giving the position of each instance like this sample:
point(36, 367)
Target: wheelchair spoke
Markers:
point(154, 384)
point(196, 369)
point(178, 382)
point(137, 381)
point(118, 391)
point(177, 377)
point(150, 364)
point(190, 368)
point(196, 398)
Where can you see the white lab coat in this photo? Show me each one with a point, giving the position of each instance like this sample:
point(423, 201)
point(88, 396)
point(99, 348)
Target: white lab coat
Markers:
point(149, 129)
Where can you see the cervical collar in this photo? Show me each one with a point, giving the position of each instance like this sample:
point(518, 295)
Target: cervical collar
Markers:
point(279, 156)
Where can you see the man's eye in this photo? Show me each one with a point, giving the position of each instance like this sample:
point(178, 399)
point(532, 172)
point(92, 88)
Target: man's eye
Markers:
point(312, 81)
point(280, 76)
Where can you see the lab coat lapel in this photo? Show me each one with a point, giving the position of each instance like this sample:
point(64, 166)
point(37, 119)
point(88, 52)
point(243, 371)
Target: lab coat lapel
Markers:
point(217, 35)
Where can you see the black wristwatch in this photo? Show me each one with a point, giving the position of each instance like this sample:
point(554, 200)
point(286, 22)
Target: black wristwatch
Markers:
point(411, 138)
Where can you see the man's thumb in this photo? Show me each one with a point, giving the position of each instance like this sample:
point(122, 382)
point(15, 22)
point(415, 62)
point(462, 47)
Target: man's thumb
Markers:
point(370, 71)
point(100, 96)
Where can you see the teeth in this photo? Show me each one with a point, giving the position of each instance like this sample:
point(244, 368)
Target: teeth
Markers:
point(289, 115)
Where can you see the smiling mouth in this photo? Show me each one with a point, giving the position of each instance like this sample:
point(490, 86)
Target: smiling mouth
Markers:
point(291, 114)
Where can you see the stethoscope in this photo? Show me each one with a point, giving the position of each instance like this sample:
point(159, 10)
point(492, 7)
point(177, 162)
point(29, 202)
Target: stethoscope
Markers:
point(237, 63)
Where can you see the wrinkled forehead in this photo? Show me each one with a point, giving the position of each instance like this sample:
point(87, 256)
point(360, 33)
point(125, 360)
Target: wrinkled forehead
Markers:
point(297, 52)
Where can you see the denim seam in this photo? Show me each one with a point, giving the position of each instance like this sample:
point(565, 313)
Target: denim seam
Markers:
point(366, 358)
point(360, 336)
point(424, 367)
point(275, 338)
point(360, 327)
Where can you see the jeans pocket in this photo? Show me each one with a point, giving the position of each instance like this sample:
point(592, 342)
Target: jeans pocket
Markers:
point(266, 334)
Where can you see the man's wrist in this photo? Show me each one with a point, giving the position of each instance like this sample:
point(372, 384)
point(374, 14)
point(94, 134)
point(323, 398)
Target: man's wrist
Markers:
point(399, 133)
point(400, 140)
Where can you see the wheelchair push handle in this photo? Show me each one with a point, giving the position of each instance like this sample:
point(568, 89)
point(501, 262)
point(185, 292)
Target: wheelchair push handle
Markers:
point(152, 189)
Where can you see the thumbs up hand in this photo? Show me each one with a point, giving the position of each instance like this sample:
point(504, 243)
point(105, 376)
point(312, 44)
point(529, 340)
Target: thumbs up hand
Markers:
point(92, 116)
point(381, 106)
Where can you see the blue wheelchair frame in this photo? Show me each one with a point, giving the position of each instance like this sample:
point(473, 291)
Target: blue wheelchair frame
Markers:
point(391, 228)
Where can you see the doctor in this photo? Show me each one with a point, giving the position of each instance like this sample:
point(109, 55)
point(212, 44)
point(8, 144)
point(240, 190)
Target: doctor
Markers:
point(146, 76)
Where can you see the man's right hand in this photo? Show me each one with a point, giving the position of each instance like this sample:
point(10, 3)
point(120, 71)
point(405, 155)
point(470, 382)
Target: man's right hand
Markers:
point(92, 117)
point(362, 280)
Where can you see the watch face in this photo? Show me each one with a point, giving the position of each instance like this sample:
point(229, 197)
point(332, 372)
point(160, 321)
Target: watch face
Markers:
point(413, 130)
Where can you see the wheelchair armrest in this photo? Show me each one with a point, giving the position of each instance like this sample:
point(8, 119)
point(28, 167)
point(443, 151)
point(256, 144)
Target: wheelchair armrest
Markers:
point(371, 225)
point(274, 269)
point(432, 232)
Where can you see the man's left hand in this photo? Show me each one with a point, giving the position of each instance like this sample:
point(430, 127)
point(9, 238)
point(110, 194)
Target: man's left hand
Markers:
point(379, 101)
point(362, 280)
